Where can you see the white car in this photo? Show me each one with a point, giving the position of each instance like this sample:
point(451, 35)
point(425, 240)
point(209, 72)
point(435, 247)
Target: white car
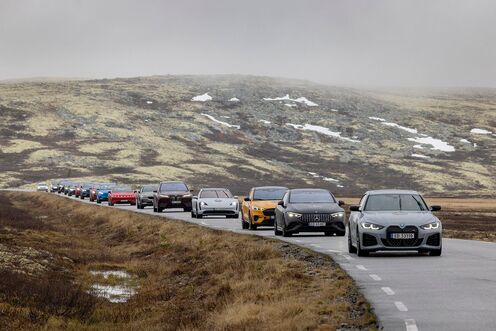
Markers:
point(42, 187)
point(215, 202)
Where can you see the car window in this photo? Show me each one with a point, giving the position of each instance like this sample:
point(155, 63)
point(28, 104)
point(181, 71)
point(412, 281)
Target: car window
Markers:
point(224, 194)
point(208, 194)
point(149, 188)
point(269, 193)
point(395, 202)
point(313, 196)
point(173, 187)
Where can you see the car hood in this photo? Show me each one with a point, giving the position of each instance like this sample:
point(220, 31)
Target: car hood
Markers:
point(314, 208)
point(175, 192)
point(266, 204)
point(401, 217)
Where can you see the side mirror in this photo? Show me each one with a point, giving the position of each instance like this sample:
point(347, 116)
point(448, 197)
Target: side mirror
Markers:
point(341, 203)
point(247, 199)
point(109, 192)
point(281, 203)
point(435, 208)
point(355, 208)
point(135, 192)
point(191, 191)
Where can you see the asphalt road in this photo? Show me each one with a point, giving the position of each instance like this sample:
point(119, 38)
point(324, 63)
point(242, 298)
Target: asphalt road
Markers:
point(456, 291)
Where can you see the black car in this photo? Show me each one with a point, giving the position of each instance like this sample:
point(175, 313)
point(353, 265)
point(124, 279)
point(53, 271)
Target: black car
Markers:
point(144, 197)
point(309, 210)
point(85, 190)
point(172, 195)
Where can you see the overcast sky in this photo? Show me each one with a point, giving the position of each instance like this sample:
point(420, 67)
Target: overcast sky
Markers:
point(369, 42)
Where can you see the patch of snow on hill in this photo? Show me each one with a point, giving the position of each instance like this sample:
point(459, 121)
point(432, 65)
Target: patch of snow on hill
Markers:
point(221, 122)
point(202, 98)
point(290, 105)
point(420, 156)
point(264, 121)
point(234, 99)
point(436, 144)
point(377, 119)
point(394, 125)
point(299, 100)
point(480, 131)
point(418, 146)
point(322, 130)
point(334, 110)
point(149, 102)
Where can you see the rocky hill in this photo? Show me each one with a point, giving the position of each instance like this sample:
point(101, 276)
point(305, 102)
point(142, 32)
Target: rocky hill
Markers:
point(240, 131)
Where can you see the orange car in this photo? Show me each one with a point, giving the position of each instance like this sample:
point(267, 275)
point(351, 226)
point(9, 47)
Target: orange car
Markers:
point(258, 208)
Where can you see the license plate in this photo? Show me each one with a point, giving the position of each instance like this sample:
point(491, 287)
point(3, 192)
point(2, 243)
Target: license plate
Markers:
point(124, 201)
point(317, 223)
point(402, 235)
point(176, 202)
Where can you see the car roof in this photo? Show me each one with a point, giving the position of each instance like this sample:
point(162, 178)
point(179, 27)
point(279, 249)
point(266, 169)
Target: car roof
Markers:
point(173, 182)
point(214, 189)
point(308, 189)
point(391, 191)
point(269, 187)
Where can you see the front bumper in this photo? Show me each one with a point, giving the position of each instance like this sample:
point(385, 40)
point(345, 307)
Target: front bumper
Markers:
point(102, 197)
point(264, 217)
point(334, 226)
point(218, 211)
point(380, 240)
point(123, 200)
point(84, 194)
point(146, 201)
point(174, 203)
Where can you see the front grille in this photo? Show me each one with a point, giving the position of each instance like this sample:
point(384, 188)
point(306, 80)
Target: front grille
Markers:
point(434, 240)
point(269, 212)
point(402, 242)
point(369, 240)
point(305, 218)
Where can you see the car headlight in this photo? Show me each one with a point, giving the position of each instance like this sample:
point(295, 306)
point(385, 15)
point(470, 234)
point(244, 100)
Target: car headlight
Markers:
point(234, 203)
point(430, 226)
point(258, 208)
point(164, 196)
point(340, 214)
point(371, 226)
point(291, 214)
point(187, 196)
point(203, 203)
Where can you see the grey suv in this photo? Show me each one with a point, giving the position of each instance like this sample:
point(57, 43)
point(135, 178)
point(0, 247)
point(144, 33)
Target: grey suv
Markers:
point(144, 197)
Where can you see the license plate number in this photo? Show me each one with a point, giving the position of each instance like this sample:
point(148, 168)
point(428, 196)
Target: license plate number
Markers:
point(124, 201)
point(402, 235)
point(317, 223)
point(176, 202)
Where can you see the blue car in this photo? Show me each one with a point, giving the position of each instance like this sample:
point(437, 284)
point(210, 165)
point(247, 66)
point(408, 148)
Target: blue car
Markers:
point(102, 193)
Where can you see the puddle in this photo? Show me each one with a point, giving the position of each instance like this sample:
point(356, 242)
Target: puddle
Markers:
point(115, 293)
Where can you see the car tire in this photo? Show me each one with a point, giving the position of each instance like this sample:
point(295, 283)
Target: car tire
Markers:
point(244, 225)
point(110, 203)
point(98, 201)
point(192, 214)
point(159, 210)
point(436, 252)
point(351, 249)
point(199, 216)
point(286, 233)
point(360, 251)
point(340, 233)
point(154, 209)
point(276, 232)
point(187, 209)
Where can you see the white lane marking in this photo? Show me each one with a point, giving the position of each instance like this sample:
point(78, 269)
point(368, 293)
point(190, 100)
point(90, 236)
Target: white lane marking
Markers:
point(400, 305)
point(375, 277)
point(411, 325)
point(361, 267)
point(349, 258)
point(315, 245)
point(297, 240)
point(333, 251)
point(387, 290)
point(203, 223)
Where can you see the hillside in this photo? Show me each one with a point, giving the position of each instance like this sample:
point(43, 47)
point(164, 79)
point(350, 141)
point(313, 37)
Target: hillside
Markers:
point(240, 131)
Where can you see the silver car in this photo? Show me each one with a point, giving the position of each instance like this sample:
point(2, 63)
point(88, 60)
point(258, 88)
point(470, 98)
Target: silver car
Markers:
point(42, 187)
point(391, 220)
point(215, 201)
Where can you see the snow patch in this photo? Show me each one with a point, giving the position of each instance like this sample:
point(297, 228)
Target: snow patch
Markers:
point(299, 100)
point(377, 119)
point(202, 98)
point(113, 293)
point(111, 273)
point(420, 156)
point(234, 99)
point(436, 144)
point(418, 146)
point(334, 110)
point(221, 122)
point(394, 125)
point(149, 102)
point(322, 130)
point(264, 121)
point(480, 131)
point(290, 105)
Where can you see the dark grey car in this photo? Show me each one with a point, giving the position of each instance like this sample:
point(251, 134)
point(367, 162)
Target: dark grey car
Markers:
point(144, 197)
point(392, 220)
point(309, 210)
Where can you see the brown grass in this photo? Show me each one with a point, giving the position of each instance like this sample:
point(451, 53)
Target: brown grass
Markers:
point(188, 277)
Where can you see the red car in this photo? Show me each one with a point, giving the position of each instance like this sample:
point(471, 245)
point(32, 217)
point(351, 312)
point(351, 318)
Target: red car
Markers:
point(77, 192)
point(123, 194)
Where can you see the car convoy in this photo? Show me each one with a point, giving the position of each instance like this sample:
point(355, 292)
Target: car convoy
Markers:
point(384, 220)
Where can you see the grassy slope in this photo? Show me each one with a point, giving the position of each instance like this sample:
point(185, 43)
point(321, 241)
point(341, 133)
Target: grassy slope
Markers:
point(189, 278)
point(109, 130)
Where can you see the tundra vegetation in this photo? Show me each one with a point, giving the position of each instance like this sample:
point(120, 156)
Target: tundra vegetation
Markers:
point(183, 277)
point(347, 140)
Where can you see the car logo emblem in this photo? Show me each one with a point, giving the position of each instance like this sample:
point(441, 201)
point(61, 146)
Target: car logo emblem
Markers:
point(317, 218)
point(402, 226)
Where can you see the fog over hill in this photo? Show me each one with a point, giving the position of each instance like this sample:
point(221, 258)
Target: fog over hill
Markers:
point(241, 131)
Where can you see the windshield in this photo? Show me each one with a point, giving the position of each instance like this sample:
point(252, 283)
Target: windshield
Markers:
point(173, 187)
point(122, 189)
point(395, 202)
point(269, 193)
point(212, 194)
point(313, 196)
point(149, 188)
